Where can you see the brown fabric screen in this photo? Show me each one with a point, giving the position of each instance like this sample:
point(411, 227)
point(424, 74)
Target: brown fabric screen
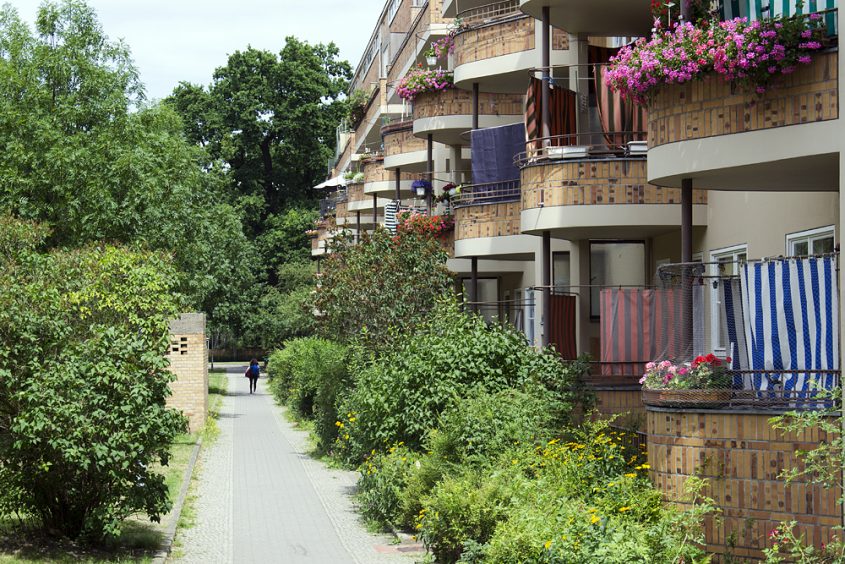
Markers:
point(564, 110)
point(562, 329)
point(616, 115)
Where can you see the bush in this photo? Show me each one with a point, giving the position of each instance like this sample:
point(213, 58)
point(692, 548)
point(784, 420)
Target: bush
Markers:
point(83, 384)
point(464, 509)
point(478, 429)
point(384, 477)
point(307, 375)
point(399, 396)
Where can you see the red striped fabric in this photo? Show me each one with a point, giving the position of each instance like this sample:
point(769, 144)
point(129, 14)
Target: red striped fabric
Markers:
point(562, 328)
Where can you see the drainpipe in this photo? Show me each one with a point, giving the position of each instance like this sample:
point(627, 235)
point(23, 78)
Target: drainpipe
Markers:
point(686, 258)
point(547, 288)
point(430, 172)
point(546, 63)
point(358, 226)
point(398, 195)
point(475, 104)
point(473, 288)
point(375, 211)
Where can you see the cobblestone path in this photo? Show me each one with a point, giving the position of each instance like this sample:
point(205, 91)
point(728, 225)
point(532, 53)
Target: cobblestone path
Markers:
point(261, 498)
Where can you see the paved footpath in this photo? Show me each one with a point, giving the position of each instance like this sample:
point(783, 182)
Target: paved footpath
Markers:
point(261, 498)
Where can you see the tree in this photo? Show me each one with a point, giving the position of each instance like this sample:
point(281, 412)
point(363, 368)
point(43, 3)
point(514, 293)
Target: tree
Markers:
point(83, 382)
point(382, 286)
point(271, 118)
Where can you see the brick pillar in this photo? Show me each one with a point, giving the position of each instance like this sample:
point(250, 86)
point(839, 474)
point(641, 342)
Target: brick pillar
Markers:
point(189, 362)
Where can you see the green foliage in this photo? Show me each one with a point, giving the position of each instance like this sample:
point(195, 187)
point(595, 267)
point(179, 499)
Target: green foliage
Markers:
point(357, 105)
point(271, 118)
point(308, 375)
point(83, 383)
point(463, 508)
point(381, 287)
point(789, 546)
point(476, 430)
point(400, 395)
point(383, 484)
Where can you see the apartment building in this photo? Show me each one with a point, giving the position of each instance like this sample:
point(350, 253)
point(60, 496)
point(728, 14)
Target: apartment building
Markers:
point(605, 209)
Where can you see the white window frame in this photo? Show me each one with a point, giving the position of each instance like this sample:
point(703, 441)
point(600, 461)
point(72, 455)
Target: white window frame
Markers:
point(809, 235)
point(715, 325)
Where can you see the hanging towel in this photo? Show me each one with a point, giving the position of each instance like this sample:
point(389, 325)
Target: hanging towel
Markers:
point(493, 152)
point(563, 326)
point(733, 328)
point(791, 314)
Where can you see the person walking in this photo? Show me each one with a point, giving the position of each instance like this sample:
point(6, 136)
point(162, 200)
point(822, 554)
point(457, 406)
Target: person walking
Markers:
point(252, 373)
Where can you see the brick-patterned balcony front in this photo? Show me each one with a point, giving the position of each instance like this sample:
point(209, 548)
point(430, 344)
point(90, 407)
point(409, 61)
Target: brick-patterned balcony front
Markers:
point(447, 114)
point(598, 197)
point(726, 138)
point(402, 149)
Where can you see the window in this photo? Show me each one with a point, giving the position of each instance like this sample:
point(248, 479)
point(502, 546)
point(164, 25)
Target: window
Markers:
point(726, 262)
point(614, 263)
point(560, 271)
point(392, 9)
point(813, 242)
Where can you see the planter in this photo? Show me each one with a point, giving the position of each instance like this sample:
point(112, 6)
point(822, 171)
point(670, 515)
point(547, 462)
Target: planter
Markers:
point(431, 61)
point(687, 398)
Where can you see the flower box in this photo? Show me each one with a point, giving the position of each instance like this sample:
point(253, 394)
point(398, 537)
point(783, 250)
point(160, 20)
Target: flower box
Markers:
point(687, 398)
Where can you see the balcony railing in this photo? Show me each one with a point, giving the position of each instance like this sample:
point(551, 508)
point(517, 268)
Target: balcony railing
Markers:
point(328, 205)
point(487, 193)
point(489, 13)
point(615, 144)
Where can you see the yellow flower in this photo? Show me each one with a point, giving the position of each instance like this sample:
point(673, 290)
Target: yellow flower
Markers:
point(594, 519)
point(548, 544)
point(352, 420)
point(631, 475)
point(624, 509)
point(514, 461)
point(643, 467)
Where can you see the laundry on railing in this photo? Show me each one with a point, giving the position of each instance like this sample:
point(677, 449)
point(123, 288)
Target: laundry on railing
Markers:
point(791, 322)
point(493, 152)
point(639, 325)
point(562, 325)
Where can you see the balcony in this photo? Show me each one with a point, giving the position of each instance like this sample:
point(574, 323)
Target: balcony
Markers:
point(594, 186)
point(487, 222)
point(630, 18)
point(382, 182)
point(785, 139)
point(403, 149)
point(496, 46)
point(447, 114)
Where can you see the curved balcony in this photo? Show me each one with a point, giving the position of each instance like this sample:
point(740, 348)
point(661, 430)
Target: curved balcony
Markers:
point(497, 44)
point(724, 139)
point(594, 17)
point(448, 114)
point(487, 222)
point(402, 149)
point(380, 181)
point(594, 186)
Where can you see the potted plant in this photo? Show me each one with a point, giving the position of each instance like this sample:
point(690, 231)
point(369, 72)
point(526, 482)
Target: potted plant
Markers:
point(704, 382)
point(431, 55)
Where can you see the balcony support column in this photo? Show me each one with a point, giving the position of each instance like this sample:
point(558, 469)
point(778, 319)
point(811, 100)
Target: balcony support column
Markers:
point(547, 288)
point(546, 63)
point(398, 187)
point(475, 105)
point(375, 211)
point(686, 274)
point(358, 226)
point(473, 287)
point(455, 157)
point(430, 159)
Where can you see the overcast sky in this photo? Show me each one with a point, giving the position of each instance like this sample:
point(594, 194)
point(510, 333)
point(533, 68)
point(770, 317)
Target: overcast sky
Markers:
point(173, 40)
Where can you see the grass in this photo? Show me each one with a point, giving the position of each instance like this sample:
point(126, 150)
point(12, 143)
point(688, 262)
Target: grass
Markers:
point(22, 541)
point(217, 386)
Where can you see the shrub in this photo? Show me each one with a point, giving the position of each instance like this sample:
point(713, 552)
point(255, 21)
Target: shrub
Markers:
point(307, 375)
point(83, 384)
point(478, 429)
point(463, 509)
point(399, 396)
point(384, 477)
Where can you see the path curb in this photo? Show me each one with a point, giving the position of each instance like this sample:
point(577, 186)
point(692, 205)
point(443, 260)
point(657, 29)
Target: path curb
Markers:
point(170, 533)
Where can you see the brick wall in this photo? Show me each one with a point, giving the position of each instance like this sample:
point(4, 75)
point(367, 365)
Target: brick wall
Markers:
point(189, 362)
point(709, 107)
point(456, 102)
point(594, 182)
point(742, 456)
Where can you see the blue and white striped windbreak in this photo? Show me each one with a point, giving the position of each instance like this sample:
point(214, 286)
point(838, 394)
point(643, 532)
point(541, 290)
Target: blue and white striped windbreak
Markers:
point(791, 315)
